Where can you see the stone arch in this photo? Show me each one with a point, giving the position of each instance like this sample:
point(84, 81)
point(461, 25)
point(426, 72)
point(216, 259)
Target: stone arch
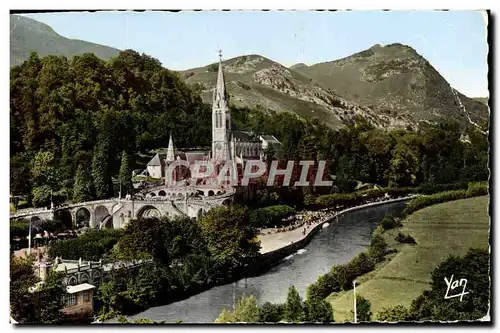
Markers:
point(107, 223)
point(181, 196)
point(84, 278)
point(162, 193)
point(66, 219)
point(152, 194)
point(82, 217)
point(148, 211)
point(210, 193)
point(72, 281)
point(36, 222)
point(219, 192)
point(200, 192)
point(226, 202)
point(101, 213)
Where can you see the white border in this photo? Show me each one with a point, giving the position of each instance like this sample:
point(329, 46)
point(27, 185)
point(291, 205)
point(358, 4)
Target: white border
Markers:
point(198, 4)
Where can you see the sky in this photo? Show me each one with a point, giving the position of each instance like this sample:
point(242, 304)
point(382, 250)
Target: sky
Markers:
point(454, 42)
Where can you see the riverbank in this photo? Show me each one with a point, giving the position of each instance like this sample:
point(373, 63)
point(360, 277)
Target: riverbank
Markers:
point(331, 246)
point(272, 242)
point(440, 230)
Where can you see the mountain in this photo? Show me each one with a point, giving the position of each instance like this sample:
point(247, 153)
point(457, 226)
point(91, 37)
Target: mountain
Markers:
point(483, 100)
point(391, 86)
point(28, 35)
point(395, 80)
point(259, 82)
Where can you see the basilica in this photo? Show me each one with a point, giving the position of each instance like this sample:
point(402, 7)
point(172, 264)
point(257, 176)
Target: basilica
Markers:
point(228, 145)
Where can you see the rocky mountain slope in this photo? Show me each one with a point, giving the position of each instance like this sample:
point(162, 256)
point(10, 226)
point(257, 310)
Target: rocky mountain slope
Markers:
point(256, 81)
point(391, 86)
point(395, 80)
point(28, 35)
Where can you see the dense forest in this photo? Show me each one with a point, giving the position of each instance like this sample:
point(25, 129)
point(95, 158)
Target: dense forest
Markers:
point(86, 114)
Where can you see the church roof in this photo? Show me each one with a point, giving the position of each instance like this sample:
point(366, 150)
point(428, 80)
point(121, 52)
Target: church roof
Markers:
point(190, 156)
point(245, 136)
point(157, 160)
point(270, 138)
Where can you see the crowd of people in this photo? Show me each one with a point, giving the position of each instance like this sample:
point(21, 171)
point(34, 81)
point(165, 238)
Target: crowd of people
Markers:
point(308, 219)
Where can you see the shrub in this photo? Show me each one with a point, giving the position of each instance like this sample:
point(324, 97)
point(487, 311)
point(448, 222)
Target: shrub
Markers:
point(402, 238)
point(389, 222)
point(360, 265)
point(92, 245)
point(477, 189)
point(431, 188)
point(363, 309)
point(271, 313)
point(377, 249)
point(394, 314)
point(324, 286)
point(270, 216)
point(428, 200)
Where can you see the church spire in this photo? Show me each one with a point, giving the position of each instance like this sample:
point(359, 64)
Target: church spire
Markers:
point(220, 88)
point(170, 150)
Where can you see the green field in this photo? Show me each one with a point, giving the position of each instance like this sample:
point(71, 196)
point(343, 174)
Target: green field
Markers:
point(440, 230)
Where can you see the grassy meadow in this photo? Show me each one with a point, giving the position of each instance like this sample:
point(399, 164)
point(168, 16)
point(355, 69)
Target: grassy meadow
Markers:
point(441, 230)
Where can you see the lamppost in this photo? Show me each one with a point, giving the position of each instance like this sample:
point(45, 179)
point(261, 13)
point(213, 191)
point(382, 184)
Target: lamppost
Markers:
point(29, 240)
point(355, 314)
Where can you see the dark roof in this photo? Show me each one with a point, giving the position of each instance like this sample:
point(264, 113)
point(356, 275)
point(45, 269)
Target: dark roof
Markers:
point(270, 138)
point(245, 136)
point(190, 156)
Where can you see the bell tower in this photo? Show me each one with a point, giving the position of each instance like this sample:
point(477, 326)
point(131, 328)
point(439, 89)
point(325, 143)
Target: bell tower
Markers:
point(221, 118)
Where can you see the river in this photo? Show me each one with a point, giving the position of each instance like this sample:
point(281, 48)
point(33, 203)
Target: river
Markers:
point(336, 244)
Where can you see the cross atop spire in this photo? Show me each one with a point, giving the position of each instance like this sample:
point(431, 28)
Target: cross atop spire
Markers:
point(220, 88)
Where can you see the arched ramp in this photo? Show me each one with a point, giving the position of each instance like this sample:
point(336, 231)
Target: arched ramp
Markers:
point(66, 219)
point(101, 214)
point(148, 211)
point(82, 218)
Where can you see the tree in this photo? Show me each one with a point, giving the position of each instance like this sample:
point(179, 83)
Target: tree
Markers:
point(230, 239)
point(82, 187)
point(51, 299)
point(108, 295)
point(100, 170)
point(318, 311)
point(294, 309)
point(474, 267)
point(22, 278)
point(125, 176)
point(271, 313)
point(245, 311)
point(363, 309)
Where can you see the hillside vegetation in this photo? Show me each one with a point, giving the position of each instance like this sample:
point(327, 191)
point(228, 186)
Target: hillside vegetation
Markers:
point(441, 230)
point(28, 35)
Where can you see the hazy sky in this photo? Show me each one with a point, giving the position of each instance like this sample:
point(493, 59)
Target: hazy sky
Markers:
point(454, 42)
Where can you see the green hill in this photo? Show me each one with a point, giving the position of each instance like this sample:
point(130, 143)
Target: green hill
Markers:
point(395, 80)
point(28, 35)
point(450, 228)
